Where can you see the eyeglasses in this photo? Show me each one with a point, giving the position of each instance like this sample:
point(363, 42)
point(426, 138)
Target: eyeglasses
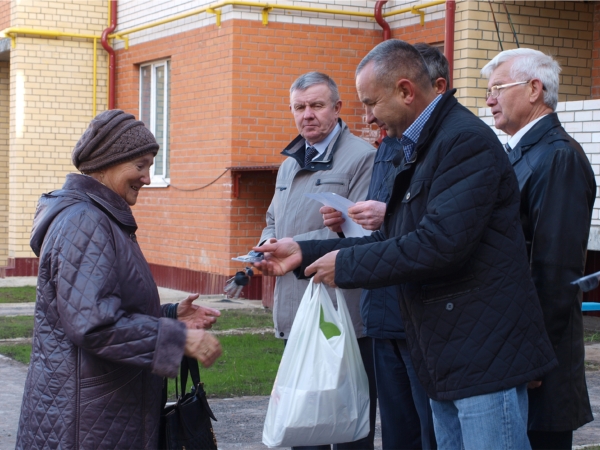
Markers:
point(494, 91)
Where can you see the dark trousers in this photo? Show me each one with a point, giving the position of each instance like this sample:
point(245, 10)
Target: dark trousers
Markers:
point(404, 408)
point(365, 346)
point(550, 440)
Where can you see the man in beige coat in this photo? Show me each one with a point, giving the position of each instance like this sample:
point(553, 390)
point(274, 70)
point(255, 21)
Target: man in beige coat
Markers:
point(325, 157)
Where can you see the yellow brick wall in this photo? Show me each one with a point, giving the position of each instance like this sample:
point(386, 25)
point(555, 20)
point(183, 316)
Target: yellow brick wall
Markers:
point(563, 29)
point(51, 85)
point(73, 16)
point(4, 121)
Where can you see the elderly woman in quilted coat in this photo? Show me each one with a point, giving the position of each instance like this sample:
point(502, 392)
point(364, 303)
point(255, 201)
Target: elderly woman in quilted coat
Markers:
point(102, 341)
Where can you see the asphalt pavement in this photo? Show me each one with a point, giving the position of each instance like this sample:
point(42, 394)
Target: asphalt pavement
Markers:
point(239, 420)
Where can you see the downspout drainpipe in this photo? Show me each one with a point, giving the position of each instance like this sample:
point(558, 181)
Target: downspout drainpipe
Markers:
point(387, 34)
point(111, 53)
point(449, 38)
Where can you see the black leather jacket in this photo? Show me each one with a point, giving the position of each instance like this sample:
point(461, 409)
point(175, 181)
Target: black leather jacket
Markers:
point(558, 190)
point(457, 253)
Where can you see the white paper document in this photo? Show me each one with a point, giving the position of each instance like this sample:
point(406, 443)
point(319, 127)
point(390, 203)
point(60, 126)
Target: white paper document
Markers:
point(349, 227)
point(588, 282)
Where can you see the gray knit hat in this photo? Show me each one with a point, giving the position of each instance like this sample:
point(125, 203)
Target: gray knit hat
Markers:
point(112, 137)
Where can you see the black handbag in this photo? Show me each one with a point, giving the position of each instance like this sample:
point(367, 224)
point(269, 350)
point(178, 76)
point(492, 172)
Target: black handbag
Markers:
point(186, 425)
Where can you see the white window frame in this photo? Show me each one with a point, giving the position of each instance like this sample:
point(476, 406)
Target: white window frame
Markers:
point(158, 180)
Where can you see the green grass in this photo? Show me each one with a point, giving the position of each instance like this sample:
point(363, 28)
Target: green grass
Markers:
point(16, 327)
point(591, 366)
point(591, 336)
point(24, 294)
point(244, 318)
point(19, 352)
point(248, 366)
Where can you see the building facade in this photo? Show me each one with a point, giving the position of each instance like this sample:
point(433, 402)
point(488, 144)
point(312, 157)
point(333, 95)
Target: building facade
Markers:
point(211, 80)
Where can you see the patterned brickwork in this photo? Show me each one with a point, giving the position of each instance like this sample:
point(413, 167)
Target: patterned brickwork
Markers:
point(229, 102)
point(563, 29)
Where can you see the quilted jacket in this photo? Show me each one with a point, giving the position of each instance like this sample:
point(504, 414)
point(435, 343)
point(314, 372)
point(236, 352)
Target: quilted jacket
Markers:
point(100, 345)
point(557, 196)
point(344, 168)
point(457, 253)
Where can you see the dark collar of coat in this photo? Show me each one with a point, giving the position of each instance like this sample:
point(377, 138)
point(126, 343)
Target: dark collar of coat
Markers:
point(296, 148)
point(446, 103)
point(106, 199)
point(533, 136)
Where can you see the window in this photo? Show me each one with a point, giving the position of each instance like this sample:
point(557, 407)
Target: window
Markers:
point(155, 90)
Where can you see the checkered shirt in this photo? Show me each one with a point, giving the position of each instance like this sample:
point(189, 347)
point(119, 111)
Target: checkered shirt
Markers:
point(411, 136)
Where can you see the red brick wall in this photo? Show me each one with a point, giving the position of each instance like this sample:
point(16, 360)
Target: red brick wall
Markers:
point(596, 53)
point(5, 14)
point(184, 226)
point(229, 107)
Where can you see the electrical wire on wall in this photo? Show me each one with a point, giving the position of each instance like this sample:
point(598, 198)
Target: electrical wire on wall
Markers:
point(201, 187)
point(510, 22)
point(512, 27)
point(496, 24)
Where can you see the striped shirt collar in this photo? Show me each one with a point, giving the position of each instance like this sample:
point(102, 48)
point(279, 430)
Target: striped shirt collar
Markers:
point(411, 136)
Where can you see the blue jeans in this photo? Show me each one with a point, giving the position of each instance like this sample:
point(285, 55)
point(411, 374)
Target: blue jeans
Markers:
point(406, 421)
point(496, 421)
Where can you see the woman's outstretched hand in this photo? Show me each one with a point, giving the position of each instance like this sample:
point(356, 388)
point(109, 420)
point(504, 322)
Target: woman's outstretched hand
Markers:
point(194, 316)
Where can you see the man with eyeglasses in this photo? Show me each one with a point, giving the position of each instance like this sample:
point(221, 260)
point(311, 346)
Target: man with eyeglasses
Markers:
point(557, 195)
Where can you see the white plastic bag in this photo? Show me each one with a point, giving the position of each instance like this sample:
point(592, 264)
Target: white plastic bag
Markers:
point(321, 393)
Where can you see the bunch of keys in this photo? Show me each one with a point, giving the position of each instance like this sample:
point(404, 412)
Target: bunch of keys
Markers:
point(234, 286)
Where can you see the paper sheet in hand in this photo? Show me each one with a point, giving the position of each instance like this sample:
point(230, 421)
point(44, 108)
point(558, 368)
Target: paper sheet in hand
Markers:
point(588, 282)
point(349, 227)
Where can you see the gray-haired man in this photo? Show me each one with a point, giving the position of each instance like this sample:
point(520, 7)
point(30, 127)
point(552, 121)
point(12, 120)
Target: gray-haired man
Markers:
point(557, 196)
point(325, 157)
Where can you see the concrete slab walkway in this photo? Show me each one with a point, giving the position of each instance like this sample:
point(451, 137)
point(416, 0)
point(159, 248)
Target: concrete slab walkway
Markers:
point(12, 374)
point(166, 296)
